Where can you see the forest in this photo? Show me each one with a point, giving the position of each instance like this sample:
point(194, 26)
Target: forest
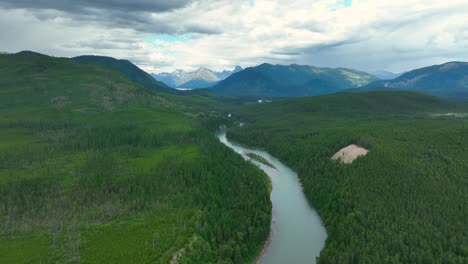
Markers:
point(405, 201)
point(96, 169)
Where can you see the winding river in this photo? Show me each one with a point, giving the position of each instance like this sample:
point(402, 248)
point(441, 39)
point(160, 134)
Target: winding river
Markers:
point(297, 233)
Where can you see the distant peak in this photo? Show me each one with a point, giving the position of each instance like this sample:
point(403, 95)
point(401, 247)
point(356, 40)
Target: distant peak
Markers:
point(28, 52)
point(265, 65)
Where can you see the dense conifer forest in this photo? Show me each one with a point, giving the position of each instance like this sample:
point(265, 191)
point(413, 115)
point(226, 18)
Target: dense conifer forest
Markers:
point(405, 201)
point(96, 169)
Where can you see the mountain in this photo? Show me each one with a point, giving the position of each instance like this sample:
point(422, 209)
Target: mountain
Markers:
point(34, 80)
point(130, 70)
point(293, 80)
point(385, 75)
point(447, 80)
point(201, 78)
point(224, 74)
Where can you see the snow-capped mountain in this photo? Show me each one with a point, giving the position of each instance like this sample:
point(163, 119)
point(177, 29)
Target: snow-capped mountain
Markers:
point(200, 78)
point(224, 74)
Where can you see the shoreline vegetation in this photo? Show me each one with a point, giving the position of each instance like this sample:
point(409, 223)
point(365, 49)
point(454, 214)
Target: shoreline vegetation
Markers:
point(301, 225)
point(375, 209)
point(260, 159)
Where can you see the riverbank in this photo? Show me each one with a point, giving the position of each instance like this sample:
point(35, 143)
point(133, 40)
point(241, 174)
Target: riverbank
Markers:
point(297, 234)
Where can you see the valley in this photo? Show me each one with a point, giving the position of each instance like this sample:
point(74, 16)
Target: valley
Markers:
point(297, 233)
point(233, 132)
point(100, 164)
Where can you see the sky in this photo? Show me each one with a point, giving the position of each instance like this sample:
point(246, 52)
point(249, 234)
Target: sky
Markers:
point(163, 35)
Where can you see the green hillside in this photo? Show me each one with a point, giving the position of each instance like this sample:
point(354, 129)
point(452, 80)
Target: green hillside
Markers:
point(267, 80)
point(95, 168)
point(405, 201)
point(130, 70)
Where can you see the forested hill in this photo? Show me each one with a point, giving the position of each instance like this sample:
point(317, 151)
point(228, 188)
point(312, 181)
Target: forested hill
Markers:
point(267, 80)
point(447, 80)
point(130, 70)
point(405, 201)
point(375, 103)
point(39, 83)
point(95, 168)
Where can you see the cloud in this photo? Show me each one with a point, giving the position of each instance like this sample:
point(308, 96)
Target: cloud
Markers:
point(163, 35)
point(85, 6)
point(150, 16)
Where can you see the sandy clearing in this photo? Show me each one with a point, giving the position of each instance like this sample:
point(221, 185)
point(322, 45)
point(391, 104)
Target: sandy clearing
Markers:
point(350, 153)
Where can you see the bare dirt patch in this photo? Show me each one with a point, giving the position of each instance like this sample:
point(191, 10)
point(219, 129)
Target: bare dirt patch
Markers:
point(350, 153)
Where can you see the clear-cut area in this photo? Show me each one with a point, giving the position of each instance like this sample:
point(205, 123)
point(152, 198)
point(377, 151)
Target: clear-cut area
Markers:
point(350, 153)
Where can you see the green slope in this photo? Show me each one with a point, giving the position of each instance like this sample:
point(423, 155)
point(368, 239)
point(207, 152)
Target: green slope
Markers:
point(130, 70)
point(95, 168)
point(268, 80)
point(405, 201)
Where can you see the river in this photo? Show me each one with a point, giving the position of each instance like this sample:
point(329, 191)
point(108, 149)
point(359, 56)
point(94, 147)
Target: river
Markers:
point(297, 233)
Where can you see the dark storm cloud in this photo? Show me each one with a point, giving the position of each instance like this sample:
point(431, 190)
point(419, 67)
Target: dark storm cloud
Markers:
point(79, 6)
point(146, 16)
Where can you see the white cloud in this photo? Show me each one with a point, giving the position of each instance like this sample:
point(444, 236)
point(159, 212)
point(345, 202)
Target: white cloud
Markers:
point(369, 34)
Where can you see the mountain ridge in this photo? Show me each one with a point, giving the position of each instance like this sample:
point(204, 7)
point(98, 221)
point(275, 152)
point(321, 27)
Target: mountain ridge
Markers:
point(199, 78)
point(449, 79)
point(291, 80)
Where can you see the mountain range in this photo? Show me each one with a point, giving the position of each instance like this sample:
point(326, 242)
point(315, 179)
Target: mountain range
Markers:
point(447, 80)
point(291, 80)
point(200, 78)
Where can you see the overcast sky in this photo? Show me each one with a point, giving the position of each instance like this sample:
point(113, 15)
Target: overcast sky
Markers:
point(162, 35)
